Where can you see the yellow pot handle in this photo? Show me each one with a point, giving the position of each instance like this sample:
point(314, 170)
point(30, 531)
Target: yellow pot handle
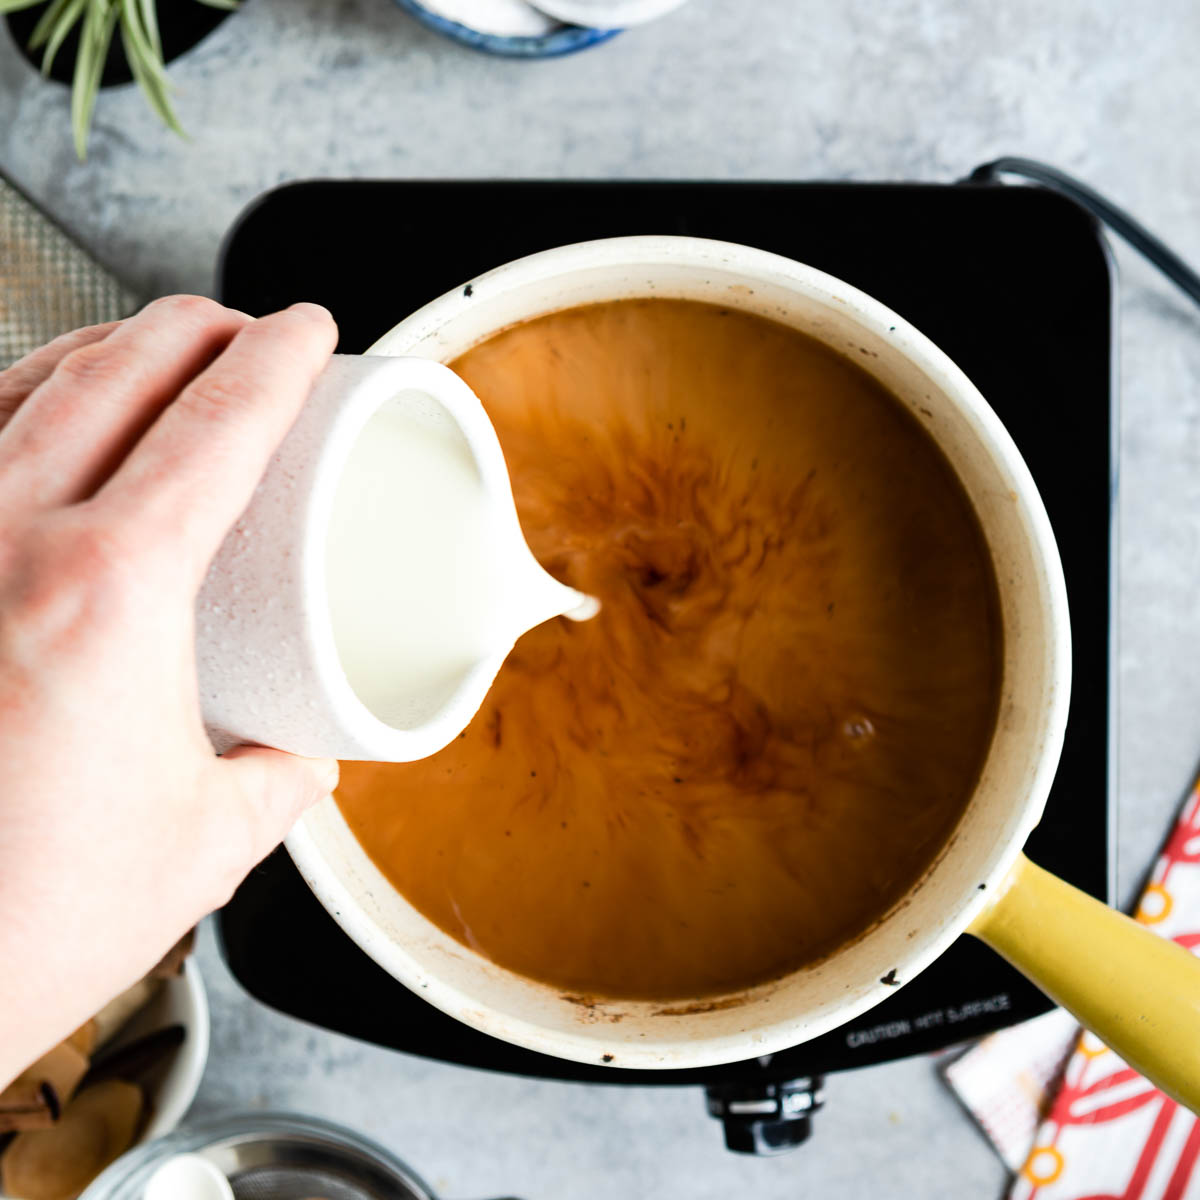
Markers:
point(1138, 992)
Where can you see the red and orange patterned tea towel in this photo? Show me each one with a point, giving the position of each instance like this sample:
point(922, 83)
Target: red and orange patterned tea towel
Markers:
point(1094, 1129)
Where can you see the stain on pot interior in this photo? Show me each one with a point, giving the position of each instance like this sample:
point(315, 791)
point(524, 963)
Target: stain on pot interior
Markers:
point(697, 1007)
point(593, 1010)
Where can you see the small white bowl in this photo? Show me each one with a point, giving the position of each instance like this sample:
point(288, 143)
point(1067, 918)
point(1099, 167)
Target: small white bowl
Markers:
point(172, 1086)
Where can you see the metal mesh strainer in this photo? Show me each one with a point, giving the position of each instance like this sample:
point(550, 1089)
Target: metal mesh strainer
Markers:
point(304, 1164)
point(291, 1183)
point(48, 283)
point(272, 1157)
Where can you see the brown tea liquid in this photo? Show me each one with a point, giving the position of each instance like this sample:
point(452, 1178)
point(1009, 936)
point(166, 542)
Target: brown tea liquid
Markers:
point(775, 722)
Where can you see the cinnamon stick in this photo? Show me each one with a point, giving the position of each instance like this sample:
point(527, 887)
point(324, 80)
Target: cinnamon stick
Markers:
point(132, 1061)
point(28, 1105)
point(36, 1097)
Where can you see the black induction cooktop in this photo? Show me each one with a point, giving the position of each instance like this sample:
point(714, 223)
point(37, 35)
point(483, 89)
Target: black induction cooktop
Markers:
point(1014, 283)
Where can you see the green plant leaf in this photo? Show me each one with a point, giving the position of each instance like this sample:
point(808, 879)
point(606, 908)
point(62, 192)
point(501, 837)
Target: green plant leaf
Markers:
point(150, 23)
point(47, 23)
point(140, 37)
point(81, 102)
point(138, 48)
point(152, 86)
point(68, 20)
point(145, 61)
point(99, 22)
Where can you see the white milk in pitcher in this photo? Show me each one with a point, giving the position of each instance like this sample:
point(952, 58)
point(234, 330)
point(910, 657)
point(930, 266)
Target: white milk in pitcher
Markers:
point(427, 571)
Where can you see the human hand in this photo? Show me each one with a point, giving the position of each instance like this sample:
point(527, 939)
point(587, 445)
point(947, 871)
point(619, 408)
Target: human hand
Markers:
point(126, 453)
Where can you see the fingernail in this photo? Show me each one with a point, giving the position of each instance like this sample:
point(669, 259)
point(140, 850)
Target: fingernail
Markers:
point(329, 772)
point(314, 310)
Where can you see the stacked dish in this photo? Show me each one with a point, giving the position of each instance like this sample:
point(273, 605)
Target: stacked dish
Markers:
point(534, 28)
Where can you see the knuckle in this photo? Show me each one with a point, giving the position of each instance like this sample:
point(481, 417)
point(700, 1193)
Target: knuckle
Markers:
point(97, 553)
point(15, 384)
point(94, 548)
point(198, 316)
point(193, 308)
point(82, 336)
point(217, 394)
point(98, 364)
point(22, 378)
point(68, 582)
point(98, 559)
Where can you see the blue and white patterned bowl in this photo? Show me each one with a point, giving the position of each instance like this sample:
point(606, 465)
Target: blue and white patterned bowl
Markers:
point(507, 27)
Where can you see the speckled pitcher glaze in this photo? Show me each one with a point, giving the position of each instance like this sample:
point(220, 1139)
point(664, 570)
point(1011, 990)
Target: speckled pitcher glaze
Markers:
point(1016, 777)
point(268, 667)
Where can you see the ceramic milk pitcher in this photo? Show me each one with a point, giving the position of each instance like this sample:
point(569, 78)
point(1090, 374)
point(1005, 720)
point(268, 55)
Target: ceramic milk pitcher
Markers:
point(363, 603)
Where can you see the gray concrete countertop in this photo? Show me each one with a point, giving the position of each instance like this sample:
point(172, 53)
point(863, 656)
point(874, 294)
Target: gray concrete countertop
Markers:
point(909, 89)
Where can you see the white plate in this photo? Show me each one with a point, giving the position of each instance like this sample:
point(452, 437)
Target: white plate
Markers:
point(502, 18)
point(607, 14)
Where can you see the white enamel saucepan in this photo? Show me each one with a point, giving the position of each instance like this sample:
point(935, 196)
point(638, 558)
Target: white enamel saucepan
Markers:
point(1140, 993)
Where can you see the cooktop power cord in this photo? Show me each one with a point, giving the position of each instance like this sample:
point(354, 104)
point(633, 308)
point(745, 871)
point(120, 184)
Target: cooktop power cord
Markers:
point(1116, 218)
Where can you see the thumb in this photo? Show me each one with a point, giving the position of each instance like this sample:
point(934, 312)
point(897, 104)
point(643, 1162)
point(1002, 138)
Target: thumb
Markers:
point(274, 789)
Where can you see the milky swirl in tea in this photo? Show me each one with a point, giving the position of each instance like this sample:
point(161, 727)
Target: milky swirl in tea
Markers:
point(772, 727)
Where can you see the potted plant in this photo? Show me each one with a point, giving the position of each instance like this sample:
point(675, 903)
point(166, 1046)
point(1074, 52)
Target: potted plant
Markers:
point(77, 40)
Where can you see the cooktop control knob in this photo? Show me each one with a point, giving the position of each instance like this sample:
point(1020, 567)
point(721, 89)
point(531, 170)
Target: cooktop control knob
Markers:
point(766, 1118)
